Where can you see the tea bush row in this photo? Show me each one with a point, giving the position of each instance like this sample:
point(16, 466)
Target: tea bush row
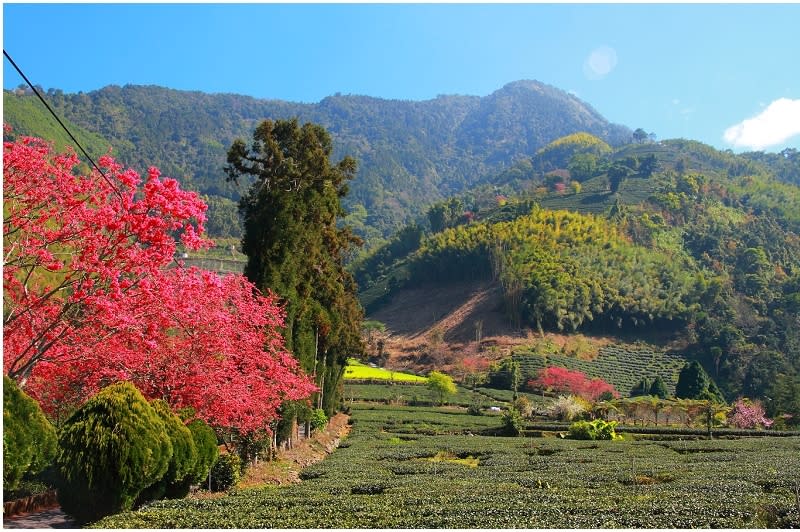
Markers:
point(386, 478)
point(620, 365)
point(413, 394)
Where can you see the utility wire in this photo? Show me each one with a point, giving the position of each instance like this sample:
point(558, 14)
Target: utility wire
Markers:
point(36, 92)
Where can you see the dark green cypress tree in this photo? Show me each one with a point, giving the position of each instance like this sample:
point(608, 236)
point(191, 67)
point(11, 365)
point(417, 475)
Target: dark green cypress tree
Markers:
point(659, 388)
point(694, 383)
point(295, 247)
point(641, 388)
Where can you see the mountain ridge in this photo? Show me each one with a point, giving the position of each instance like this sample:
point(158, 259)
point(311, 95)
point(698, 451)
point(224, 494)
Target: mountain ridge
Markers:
point(410, 152)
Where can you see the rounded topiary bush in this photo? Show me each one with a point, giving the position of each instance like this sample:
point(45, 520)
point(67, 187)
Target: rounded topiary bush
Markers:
point(205, 442)
point(207, 450)
point(184, 456)
point(111, 449)
point(226, 472)
point(29, 440)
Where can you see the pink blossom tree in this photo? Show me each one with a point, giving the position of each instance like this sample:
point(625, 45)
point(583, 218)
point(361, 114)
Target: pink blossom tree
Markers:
point(563, 380)
point(747, 414)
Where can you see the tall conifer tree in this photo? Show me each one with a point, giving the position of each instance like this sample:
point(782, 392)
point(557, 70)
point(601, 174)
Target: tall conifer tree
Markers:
point(295, 247)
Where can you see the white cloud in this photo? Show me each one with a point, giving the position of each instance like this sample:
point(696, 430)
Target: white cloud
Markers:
point(776, 124)
point(600, 62)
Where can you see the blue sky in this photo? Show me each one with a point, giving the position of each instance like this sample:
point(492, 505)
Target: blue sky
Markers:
point(724, 74)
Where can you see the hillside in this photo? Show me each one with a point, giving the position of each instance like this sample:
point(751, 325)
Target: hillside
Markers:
point(410, 153)
point(693, 250)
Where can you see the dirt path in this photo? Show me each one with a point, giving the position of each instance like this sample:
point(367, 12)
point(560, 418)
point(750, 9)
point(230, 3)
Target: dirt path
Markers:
point(50, 518)
point(286, 469)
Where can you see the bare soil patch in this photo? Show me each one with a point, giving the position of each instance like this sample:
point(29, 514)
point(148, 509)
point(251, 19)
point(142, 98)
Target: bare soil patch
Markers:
point(286, 468)
point(436, 326)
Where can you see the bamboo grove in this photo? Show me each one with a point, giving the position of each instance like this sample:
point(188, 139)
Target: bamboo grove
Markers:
point(563, 270)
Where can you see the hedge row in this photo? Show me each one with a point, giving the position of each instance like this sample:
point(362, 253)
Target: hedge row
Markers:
point(115, 452)
point(676, 431)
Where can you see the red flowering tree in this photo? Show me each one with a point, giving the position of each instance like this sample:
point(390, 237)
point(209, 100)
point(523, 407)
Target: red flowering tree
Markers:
point(74, 245)
point(88, 299)
point(561, 380)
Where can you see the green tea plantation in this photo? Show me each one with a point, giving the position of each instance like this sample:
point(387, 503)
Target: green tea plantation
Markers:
point(425, 467)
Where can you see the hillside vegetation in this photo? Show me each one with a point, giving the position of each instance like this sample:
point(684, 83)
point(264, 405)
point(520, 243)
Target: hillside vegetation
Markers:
point(649, 238)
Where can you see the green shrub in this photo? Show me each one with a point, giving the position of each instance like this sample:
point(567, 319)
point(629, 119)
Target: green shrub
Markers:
point(205, 442)
point(512, 421)
point(184, 456)
point(475, 407)
point(593, 430)
point(318, 419)
point(29, 440)
point(226, 472)
point(110, 449)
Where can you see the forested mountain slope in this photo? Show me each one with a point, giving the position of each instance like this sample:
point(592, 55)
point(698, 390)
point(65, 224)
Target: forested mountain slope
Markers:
point(410, 153)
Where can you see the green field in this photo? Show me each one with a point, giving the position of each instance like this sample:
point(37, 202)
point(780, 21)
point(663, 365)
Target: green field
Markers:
point(415, 467)
point(402, 394)
point(621, 365)
point(355, 370)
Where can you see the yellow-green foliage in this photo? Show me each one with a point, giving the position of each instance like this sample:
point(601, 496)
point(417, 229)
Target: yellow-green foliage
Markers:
point(444, 456)
point(29, 440)
point(598, 429)
point(577, 142)
point(441, 385)
point(110, 449)
point(560, 269)
point(357, 371)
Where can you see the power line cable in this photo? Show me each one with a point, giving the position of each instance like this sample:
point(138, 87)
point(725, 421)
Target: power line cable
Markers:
point(36, 92)
point(78, 144)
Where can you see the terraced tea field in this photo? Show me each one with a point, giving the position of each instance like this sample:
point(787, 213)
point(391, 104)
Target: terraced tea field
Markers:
point(620, 365)
point(405, 467)
point(405, 394)
point(418, 394)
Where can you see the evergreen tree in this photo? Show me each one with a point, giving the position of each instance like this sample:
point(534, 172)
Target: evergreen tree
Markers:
point(659, 388)
point(295, 247)
point(694, 383)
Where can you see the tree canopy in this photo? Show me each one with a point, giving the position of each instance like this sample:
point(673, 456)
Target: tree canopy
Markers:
point(294, 245)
